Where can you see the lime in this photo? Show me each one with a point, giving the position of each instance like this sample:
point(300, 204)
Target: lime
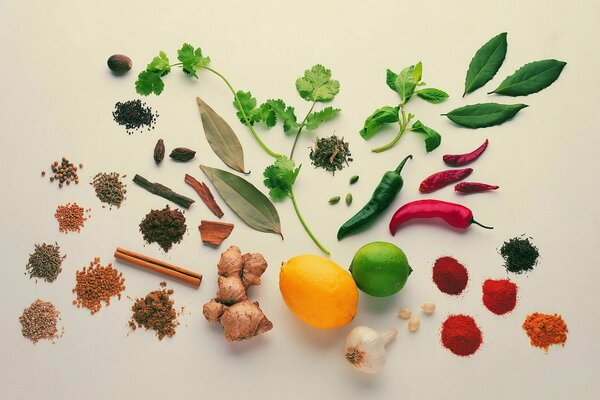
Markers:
point(380, 269)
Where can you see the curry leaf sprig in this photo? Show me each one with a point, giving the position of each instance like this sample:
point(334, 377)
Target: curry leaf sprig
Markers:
point(406, 84)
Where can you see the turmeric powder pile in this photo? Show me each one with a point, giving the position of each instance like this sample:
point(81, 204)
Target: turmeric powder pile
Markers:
point(545, 330)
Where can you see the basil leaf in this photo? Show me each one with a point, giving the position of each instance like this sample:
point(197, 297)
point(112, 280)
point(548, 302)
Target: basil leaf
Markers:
point(376, 121)
point(250, 204)
point(531, 78)
point(221, 137)
point(483, 115)
point(405, 83)
point(390, 79)
point(486, 62)
point(432, 95)
point(418, 72)
point(432, 138)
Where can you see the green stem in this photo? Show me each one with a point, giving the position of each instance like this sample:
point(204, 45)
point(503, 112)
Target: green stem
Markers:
point(300, 130)
point(246, 119)
point(403, 123)
point(306, 228)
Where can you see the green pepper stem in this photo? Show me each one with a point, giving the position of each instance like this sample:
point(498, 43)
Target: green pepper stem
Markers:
point(306, 228)
point(302, 125)
point(399, 169)
point(481, 225)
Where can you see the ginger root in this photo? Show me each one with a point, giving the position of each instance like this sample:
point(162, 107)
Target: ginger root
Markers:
point(240, 318)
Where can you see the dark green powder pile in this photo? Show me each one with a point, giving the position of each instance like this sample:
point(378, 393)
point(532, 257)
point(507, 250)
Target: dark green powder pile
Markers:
point(520, 255)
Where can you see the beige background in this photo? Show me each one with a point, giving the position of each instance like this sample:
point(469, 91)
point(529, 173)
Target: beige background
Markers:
point(57, 100)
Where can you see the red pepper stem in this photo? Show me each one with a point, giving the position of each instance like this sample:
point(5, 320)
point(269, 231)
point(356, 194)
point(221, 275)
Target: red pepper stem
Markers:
point(397, 170)
point(481, 225)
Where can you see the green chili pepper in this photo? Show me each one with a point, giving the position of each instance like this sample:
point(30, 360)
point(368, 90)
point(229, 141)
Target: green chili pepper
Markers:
point(383, 195)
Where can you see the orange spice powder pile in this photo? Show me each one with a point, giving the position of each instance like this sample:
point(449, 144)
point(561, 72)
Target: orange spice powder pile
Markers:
point(545, 330)
point(97, 283)
point(70, 217)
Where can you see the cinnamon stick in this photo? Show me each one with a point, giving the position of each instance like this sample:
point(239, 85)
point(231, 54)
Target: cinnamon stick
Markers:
point(205, 194)
point(214, 232)
point(163, 191)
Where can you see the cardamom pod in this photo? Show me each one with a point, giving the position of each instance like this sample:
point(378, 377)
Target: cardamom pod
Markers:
point(334, 200)
point(159, 151)
point(349, 199)
point(354, 179)
point(182, 154)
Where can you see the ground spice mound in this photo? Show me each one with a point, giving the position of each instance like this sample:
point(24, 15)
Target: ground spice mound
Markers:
point(461, 335)
point(134, 115)
point(499, 296)
point(109, 188)
point(39, 321)
point(545, 330)
point(520, 255)
point(97, 283)
point(71, 217)
point(450, 276)
point(45, 262)
point(156, 312)
point(165, 227)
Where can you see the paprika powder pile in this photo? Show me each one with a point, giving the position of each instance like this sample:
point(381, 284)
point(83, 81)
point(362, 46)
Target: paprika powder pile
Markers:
point(449, 275)
point(545, 330)
point(461, 335)
point(499, 296)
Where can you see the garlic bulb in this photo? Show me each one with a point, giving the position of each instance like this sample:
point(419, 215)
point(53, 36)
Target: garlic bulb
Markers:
point(365, 348)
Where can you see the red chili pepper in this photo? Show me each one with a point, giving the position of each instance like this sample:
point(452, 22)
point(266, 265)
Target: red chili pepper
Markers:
point(474, 187)
point(454, 214)
point(458, 160)
point(443, 178)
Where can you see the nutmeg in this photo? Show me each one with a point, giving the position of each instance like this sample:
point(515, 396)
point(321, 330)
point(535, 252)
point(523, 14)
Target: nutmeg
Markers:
point(119, 63)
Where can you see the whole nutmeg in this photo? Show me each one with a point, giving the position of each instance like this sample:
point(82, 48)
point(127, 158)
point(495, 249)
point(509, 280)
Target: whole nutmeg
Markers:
point(119, 63)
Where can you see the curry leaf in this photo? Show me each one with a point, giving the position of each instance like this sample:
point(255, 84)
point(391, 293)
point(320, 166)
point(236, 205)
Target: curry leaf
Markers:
point(483, 115)
point(531, 78)
point(432, 138)
point(377, 120)
point(432, 95)
point(486, 62)
point(250, 204)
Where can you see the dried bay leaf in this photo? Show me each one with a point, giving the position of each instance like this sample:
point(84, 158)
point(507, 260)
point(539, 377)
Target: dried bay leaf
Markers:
point(221, 137)
point(250, 204)
point(486, 62)
point(483, 115)
point(531, 78)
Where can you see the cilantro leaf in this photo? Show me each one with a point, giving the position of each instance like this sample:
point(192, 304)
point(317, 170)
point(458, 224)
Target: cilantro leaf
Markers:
point(149, 82)
point(159, 64)
point(432, 95)
point(314, 119)
point(432, 138)
point(280, 177)
point(267, 115)
point(248, 106)
point(284, 113)
point(191, 59)
point(317, 85)
point(377, 120)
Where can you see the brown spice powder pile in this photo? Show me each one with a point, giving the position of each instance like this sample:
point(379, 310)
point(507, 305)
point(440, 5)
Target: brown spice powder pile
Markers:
point(97, 283)
point(71, 217)
point(39, 320)
point(155, 312)
point(165, 227)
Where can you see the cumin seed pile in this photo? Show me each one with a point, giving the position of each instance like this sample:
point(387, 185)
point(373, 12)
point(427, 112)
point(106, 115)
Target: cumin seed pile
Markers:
point(45, 262)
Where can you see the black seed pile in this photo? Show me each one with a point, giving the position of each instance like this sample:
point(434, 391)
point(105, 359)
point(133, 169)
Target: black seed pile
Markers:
point(330, 153)
point(109, 188)
point(520, 255)
point(134, 115)
point(45, 262)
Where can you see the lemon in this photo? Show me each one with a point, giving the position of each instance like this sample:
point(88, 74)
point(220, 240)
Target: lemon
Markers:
point(318, 291)
point(380, 269)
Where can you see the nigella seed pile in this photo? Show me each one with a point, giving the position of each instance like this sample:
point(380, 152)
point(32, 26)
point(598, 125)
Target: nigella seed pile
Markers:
point(45, 262)
point(39, 321)
point(330, 153)
point(109, 188)
point(134, 115)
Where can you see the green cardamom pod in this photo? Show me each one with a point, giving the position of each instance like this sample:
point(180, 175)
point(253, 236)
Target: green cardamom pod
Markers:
point(334, 200)
point(182, 154)
point(354, 179)
point(349, 199)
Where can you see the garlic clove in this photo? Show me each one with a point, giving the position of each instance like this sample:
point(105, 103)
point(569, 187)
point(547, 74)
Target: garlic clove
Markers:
point(405, 313)
point(365, 348)
point(414, 324)
point(428, 308)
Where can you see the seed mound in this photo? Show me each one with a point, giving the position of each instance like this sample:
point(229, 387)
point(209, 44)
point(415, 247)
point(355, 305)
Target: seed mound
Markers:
point(64, 172)
point(156, 312)
point(331, 154)
point(45, 262)
point(109, 188)
point(39, 321)
point(71, 217)
point(520, 255)
point(134, 115)
point(97, 283)
point(165, 227)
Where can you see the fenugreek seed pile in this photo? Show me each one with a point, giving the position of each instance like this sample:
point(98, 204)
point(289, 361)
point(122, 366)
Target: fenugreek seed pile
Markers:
point(71, 217)
point(45, 262)
point(64, 172)
point(156, 312)
point(97, 283)
point(109, 188)
point(39, 321)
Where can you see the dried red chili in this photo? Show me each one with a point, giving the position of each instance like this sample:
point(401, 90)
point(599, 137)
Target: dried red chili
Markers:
point(499, 296)
point(461, 335)
point(458, 160)
point(449, 275)
point(474, 187)
point(454, 214)
point(443, 178)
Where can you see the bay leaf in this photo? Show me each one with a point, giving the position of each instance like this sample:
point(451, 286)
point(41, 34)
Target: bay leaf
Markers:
point(531, 78)
point(221, 137)
point(249, 203)
point(486, 62)
point(483, 115)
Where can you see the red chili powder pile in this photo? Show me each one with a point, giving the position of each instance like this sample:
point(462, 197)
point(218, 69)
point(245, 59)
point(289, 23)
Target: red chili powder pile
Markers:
point(461, 335)
point(499, 296)
point(450, 276)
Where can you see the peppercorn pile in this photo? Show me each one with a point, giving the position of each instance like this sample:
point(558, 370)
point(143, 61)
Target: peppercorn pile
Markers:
point(45, 262)
point(156, 312)
point(520, 255)
point(70, 217)
point(109, 188)
point(165, 227)
point(39, 321)
point(64, 172)
point(97, 283)
point(331, 154)
point(134, 115)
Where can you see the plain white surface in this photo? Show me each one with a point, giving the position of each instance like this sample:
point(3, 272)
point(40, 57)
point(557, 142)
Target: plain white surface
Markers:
point(57, 100)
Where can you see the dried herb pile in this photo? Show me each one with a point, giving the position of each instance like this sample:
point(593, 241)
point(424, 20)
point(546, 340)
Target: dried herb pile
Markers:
point(156, 312)
point(520, 255)
point(109, 188)
point(39, 321)
point(165, 227)
point(97, 283)
point(71, 217)
point(331, 154)
point(45, 262)
point(134, 115)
